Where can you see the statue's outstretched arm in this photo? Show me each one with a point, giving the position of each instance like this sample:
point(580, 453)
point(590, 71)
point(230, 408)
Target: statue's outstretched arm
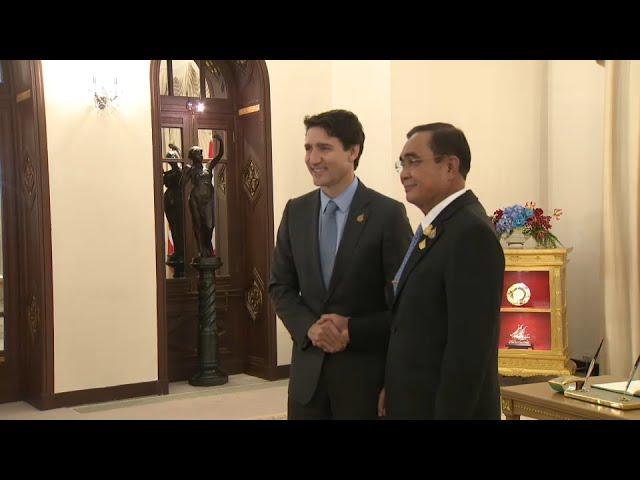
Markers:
point(218, 157)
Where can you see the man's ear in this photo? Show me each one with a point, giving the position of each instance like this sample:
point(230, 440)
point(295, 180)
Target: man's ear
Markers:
point(354, 152)
point(453, 164)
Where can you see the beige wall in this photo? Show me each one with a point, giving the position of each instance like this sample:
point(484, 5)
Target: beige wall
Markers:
point(535, 134)
point(523, 120)
point(498, 104)
point(102, 216)
point(298, 88)
point(575, 140)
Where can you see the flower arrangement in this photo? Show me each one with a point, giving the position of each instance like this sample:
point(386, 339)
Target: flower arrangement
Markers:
point(530, 220)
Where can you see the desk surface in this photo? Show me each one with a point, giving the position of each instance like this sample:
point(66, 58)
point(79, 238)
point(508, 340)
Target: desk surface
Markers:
point(538, 400)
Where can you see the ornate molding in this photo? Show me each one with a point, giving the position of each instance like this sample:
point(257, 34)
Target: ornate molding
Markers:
point(251, 180)
point(255, 296)
point(243, 70)
point(531, 367)
point(539, 413)
point(533, 257)
point(33, 318)
point(529, 260)
point(507, 406)
point(241, 65)
point(29, 179)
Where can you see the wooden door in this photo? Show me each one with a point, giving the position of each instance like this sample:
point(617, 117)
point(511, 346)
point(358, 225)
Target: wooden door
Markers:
point(34, 294)
point(239, 111)
point(9, 352)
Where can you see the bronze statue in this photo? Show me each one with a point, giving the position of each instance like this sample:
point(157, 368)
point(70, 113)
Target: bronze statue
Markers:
point(173, 206)
point(201, 199)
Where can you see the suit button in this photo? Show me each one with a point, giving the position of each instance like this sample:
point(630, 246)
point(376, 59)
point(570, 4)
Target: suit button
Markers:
point(394, 330)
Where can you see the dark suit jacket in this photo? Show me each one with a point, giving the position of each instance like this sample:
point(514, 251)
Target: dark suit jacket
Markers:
point(442, 361)
point(375, 238)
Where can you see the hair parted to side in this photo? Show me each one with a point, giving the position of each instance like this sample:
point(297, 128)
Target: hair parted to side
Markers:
point(343, 125)
point(447, 140)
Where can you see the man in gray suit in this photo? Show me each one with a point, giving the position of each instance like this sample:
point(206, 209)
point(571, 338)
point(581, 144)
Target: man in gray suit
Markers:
point(337, 250)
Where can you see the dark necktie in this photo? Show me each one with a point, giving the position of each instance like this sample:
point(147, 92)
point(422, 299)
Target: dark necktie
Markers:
point(413, 244)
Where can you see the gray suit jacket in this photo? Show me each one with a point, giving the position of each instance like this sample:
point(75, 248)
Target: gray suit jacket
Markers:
point(375, 238)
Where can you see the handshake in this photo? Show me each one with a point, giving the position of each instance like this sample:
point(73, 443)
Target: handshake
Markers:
point(330, 333)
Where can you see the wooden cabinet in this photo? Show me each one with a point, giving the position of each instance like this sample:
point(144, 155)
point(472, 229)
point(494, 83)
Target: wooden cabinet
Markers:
point(533, 314)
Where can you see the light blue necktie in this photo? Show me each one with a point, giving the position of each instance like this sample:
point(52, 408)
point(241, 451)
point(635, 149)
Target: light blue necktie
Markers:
point(328, 240)
point(413, 244)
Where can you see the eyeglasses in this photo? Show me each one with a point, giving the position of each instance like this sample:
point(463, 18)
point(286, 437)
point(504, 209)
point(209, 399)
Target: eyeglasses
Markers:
point(411, 162)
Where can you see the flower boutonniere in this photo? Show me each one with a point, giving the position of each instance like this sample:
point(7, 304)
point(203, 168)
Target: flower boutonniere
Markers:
point(430, 232)
point(361, 218)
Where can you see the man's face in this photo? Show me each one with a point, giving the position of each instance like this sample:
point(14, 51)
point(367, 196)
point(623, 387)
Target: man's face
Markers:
point(425, 182)
point(329, 164)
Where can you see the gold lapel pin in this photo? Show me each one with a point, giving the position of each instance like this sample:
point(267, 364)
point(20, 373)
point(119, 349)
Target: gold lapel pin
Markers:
point(360, 218)
point(429, 231)
point(422, 245)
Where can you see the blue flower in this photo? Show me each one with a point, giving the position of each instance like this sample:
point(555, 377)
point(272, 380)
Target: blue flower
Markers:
point(519, 221)
point(504, 225)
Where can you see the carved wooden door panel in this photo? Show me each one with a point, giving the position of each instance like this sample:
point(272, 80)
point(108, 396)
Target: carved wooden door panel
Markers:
point(9, 352)
point(35, 302)
point(255, 178)
point(238, 110)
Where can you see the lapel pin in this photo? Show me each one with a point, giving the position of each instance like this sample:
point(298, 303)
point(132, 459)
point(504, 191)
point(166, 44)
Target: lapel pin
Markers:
point(422, 244)
point(430, 231)
point(360, 218)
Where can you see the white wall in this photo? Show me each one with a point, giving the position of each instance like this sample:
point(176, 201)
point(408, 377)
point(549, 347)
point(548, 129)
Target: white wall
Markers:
point(509, 111)
point(298, 88)
point(576, 129)
point(102, 219)
point(364, 87)
point(498, 104)
point(534, 128)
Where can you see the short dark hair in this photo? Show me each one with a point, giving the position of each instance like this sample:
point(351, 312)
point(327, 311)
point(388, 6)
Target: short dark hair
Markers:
point(447, 140)
point(343, 125)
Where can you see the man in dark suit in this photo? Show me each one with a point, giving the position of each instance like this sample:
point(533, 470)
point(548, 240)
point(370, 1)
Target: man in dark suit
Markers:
point(337, 250)
point(442, 361)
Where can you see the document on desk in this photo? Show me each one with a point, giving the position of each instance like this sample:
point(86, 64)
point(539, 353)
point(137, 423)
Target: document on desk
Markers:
point(634, 387)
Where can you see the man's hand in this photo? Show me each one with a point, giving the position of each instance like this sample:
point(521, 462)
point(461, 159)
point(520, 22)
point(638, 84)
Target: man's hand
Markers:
point(341, 323)
point(325, 335)
point(381, 404)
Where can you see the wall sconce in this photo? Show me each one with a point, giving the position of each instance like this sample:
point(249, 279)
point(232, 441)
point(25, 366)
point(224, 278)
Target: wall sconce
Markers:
point(198, 107)
point(103, 96)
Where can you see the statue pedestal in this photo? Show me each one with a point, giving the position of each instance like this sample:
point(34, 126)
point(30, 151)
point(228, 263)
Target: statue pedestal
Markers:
point(177, 265)
point(209, 374)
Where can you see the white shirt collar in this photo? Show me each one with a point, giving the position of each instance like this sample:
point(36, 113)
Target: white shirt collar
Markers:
point(435, 211)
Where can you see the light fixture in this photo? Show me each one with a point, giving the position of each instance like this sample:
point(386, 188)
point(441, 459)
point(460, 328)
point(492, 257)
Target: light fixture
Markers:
point(198, 107)
point(104, 96)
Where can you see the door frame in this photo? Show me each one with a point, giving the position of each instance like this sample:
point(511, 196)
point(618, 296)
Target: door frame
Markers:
point(272, 371)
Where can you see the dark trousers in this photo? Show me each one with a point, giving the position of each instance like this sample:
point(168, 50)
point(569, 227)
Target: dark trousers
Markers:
point(337, 397)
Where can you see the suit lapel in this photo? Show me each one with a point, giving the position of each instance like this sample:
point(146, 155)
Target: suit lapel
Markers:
point(439, 223)
point(356, 220)
point(313, 241)
point(417, 255)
